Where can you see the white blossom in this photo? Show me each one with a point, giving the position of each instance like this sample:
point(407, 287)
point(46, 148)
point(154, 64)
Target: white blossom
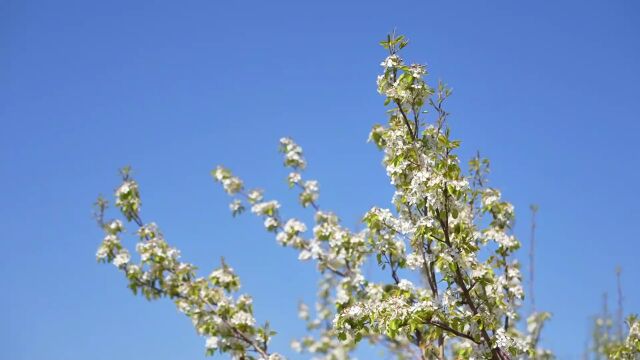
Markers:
point(212, 342)
point(294, 178)
point(265, 208)
point(122, 258)
point(255, 196)
point(243, 318)
point(406, 285)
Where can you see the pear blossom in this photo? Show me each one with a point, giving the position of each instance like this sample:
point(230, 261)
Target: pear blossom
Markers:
point(212, 342)
point(294, 178)
point(255, 196)
point(406, 285)
point(265, 208)
point(122, 258)
point(102, 253)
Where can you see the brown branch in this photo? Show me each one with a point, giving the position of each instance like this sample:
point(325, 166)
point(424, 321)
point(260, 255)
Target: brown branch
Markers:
point(447, 328)
point(406, 120)
point(496, 353)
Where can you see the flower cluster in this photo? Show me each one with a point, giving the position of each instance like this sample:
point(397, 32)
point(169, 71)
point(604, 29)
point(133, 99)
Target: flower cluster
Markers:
point(616, 346)
point(337, 251)
point(217, 313)
point(292, 154)
point(127, 197)
point(232, 185)
point(402, 83)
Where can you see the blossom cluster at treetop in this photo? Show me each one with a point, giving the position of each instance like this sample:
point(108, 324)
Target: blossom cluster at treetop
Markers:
point(446, 244)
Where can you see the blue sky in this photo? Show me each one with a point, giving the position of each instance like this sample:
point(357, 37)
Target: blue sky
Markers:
point(548, 90)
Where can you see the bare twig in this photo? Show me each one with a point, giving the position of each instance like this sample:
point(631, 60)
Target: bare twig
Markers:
point(532, 248)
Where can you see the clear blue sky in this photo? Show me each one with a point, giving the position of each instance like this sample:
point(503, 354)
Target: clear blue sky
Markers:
point(548, 91)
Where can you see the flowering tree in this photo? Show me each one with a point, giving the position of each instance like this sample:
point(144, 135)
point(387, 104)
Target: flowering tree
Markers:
point(624, 342)
point(616, 346)
point(447, 231)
